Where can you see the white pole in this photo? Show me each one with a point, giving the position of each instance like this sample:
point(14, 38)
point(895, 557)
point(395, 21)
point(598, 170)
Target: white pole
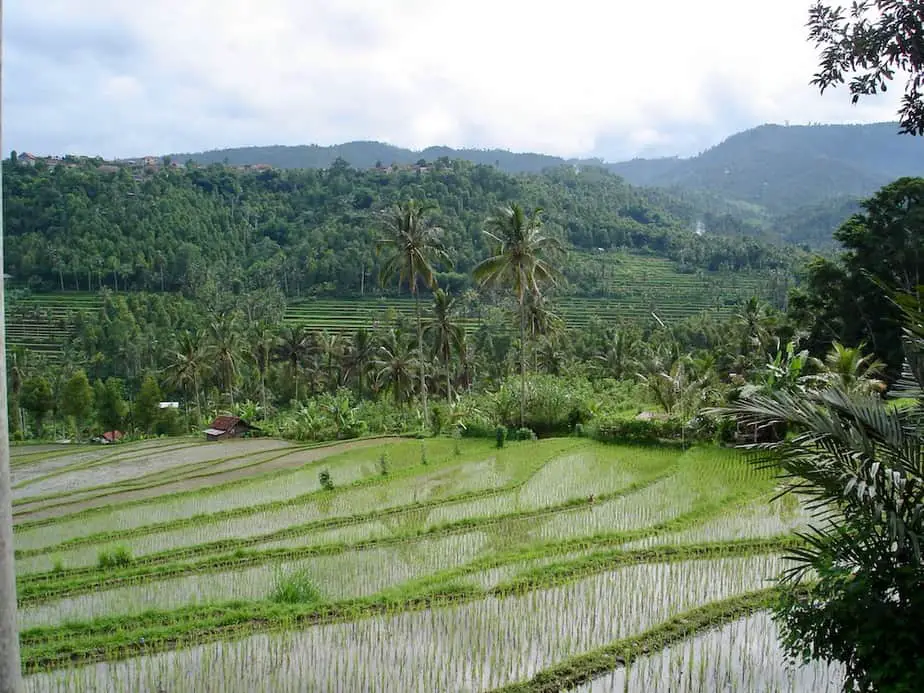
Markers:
point(10, 676)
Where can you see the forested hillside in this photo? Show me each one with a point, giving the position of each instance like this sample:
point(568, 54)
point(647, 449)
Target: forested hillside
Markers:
point(796, 183)
point(198, 230)
point(784, 167)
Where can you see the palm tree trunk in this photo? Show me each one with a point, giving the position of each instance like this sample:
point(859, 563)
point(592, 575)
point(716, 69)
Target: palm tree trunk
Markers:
point(263, 390)
point(420, 357)
point(522, 361)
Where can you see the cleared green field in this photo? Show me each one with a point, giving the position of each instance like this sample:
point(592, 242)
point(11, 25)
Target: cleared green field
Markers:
point(464, 568)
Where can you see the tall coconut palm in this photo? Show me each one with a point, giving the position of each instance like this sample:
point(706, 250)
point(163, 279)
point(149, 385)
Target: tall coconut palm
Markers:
point(444, 333)
point(519, 260)
point(291, 347)
point(331, 351)
point(188, 365)
point(359, 356)
point(261, 352)
point(414, 247)
point(396, 365)
point(225, 349)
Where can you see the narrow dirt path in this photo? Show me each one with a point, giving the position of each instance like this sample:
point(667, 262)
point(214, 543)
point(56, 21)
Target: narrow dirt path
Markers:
point(297, 458)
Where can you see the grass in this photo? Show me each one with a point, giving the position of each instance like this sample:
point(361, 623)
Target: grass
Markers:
point(474, 567)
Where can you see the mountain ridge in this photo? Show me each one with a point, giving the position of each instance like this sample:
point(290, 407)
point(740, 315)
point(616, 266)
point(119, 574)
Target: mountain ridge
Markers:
point(776, 169)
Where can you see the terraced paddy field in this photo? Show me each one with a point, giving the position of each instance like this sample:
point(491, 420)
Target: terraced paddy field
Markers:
point(178, 565)
point(633, 287)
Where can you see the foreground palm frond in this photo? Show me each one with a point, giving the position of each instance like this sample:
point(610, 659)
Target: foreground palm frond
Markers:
point(858, 462)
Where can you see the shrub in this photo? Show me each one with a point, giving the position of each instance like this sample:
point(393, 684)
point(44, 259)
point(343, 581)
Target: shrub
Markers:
point(58, 566)
point(456, 438)
point(383, 463)
point(617, 430)
point(294, 588)
point(579, 430)
point(437, 419)
point(118, 557)
point(423, 453)
point(327, 483)
point(553, 404)
point(500, 436)
point(525, 434)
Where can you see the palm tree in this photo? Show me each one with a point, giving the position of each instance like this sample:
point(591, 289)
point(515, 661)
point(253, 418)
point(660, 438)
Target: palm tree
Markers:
point(858, 461)
point(188, 365)
point(396, 365)
point(446, 335)
point(618, 354)
point(519, 247)
point(415, 246)
point(225, 349)
point(261, 351)
point(292, 346)
point(331, 350)
point(359, 356)
point(849, 368)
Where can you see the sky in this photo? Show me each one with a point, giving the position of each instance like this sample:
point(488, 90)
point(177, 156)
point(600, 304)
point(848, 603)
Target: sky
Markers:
point(607, 78)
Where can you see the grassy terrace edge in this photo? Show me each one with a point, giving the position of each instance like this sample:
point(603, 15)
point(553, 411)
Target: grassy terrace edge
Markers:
point(120, 638)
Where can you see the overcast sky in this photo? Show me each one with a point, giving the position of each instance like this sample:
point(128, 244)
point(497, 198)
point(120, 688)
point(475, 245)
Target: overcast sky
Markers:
point(609, 78)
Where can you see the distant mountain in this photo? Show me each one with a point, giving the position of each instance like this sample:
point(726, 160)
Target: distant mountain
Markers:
point(371, 154)
point(795, 182)
point(782, 168)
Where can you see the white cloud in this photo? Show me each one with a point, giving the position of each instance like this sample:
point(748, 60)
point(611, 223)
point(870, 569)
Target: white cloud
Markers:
point(571, 78)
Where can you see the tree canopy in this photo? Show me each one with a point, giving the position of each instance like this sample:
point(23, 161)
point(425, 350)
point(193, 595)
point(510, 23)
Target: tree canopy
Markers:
point(869, 43)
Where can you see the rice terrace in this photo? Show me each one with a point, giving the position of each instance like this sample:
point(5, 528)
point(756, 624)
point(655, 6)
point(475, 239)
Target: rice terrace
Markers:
point(420, 347)
point(439, 564)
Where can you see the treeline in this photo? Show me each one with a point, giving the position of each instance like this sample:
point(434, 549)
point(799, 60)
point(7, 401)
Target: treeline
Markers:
point(201, 231)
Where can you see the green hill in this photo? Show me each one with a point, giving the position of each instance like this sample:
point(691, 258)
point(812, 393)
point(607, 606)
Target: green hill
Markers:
point(796, 182)
point(782, 168)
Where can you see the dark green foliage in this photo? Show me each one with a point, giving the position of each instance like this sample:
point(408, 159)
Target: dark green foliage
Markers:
point(146, 410)
point(37, 398)
point(579, 430)
point(77, 398)
point(169, 423)
point(844, 300)
point(383, 463)
point(118, 557)
point(652, 431)
point(500, 436)
point(111, 407)
point(858, 461)
point(423, 453)
point(324, 477)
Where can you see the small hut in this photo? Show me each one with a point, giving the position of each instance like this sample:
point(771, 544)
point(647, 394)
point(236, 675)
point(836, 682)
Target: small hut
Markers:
point(227, 427)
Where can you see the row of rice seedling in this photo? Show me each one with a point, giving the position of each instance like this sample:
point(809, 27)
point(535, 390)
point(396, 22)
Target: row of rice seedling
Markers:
point(328, 578)
point(473, 645)
point(765, 517)
point(237, 530)
point(63, 457)
point(741, 657)
point(345, 468)
point(128, 467)
point(457, 475)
